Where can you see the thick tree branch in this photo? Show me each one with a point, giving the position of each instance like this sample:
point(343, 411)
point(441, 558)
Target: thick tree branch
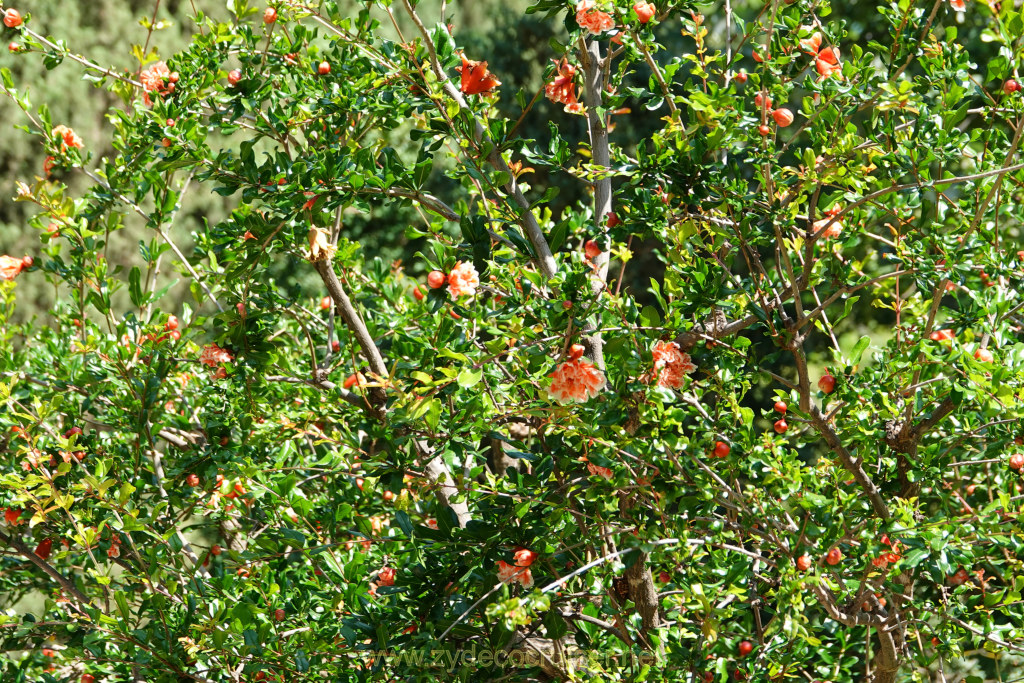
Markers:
point(852, 464)
point(715, 327)
point(356, 325)
point(887, 659)
point(593, 74)
point(903, 436)
point(439, 474)
point(324, 385)
point(828, 602)
point(944, 409)
point(435, 466)
point(643, 593)
point(428, 200)
point(607, 626)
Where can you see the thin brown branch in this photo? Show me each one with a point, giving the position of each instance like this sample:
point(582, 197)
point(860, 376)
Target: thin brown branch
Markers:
point(30, 555)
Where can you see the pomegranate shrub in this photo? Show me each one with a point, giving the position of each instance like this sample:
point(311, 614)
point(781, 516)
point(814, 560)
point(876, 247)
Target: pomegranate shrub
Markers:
point(749, 409)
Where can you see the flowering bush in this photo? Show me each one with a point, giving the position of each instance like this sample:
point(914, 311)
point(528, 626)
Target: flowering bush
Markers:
point(750, 408)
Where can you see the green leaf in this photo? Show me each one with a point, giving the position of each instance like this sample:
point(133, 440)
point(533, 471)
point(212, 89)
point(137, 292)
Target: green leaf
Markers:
point(650, 317)
point(556, 240)
point(469, 378)
point(404, 522)
point(122, 605)
point(858, 349)
point(555, 624)
point(296, 538)
point(134, 287)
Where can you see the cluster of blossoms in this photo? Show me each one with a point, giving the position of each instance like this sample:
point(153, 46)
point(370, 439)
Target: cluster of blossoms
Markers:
point(834, 227)
point(476, 78)
point(671, 365)
point(224, 493)
point(114, 551)
point(33, 460)
point(577, 379)
point(68, 138)
point(213, 356)
point(593, 19)
point(12, 516)
point(562, 90)
point(157, 79)
point(826, 60)
point(645, 11)
point(520, 571)
point(883, 560)
point(10, 266)
point(958, 578)
point(463, 280)
point(385, 577)
point(67, 456)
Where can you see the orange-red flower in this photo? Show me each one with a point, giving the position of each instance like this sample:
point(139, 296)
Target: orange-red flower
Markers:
point(508, 573)
point(958, 5)
point(10, 267)
point(320, 247)
point(562, 89)
point(826, 60)
point(213, 355)
point(475, 77)
point(671, 364)
point(645, 11)
point(12, 515)
point(524, 557)
point(155, 79)
point(834, 229)
point(463, 280)
point(32, 460)
point(812, 44)
point(68, 138)
point(386, 576)
point(576, 380)
point(592, 19)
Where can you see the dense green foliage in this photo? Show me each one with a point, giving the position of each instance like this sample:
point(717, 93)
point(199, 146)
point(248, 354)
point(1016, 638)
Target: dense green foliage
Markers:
point(260, 485)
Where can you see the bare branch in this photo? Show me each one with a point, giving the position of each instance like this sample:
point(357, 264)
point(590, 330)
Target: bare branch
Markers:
point(355, 323)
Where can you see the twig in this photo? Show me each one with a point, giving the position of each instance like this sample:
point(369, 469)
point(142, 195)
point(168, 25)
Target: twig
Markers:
point(30, 555)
